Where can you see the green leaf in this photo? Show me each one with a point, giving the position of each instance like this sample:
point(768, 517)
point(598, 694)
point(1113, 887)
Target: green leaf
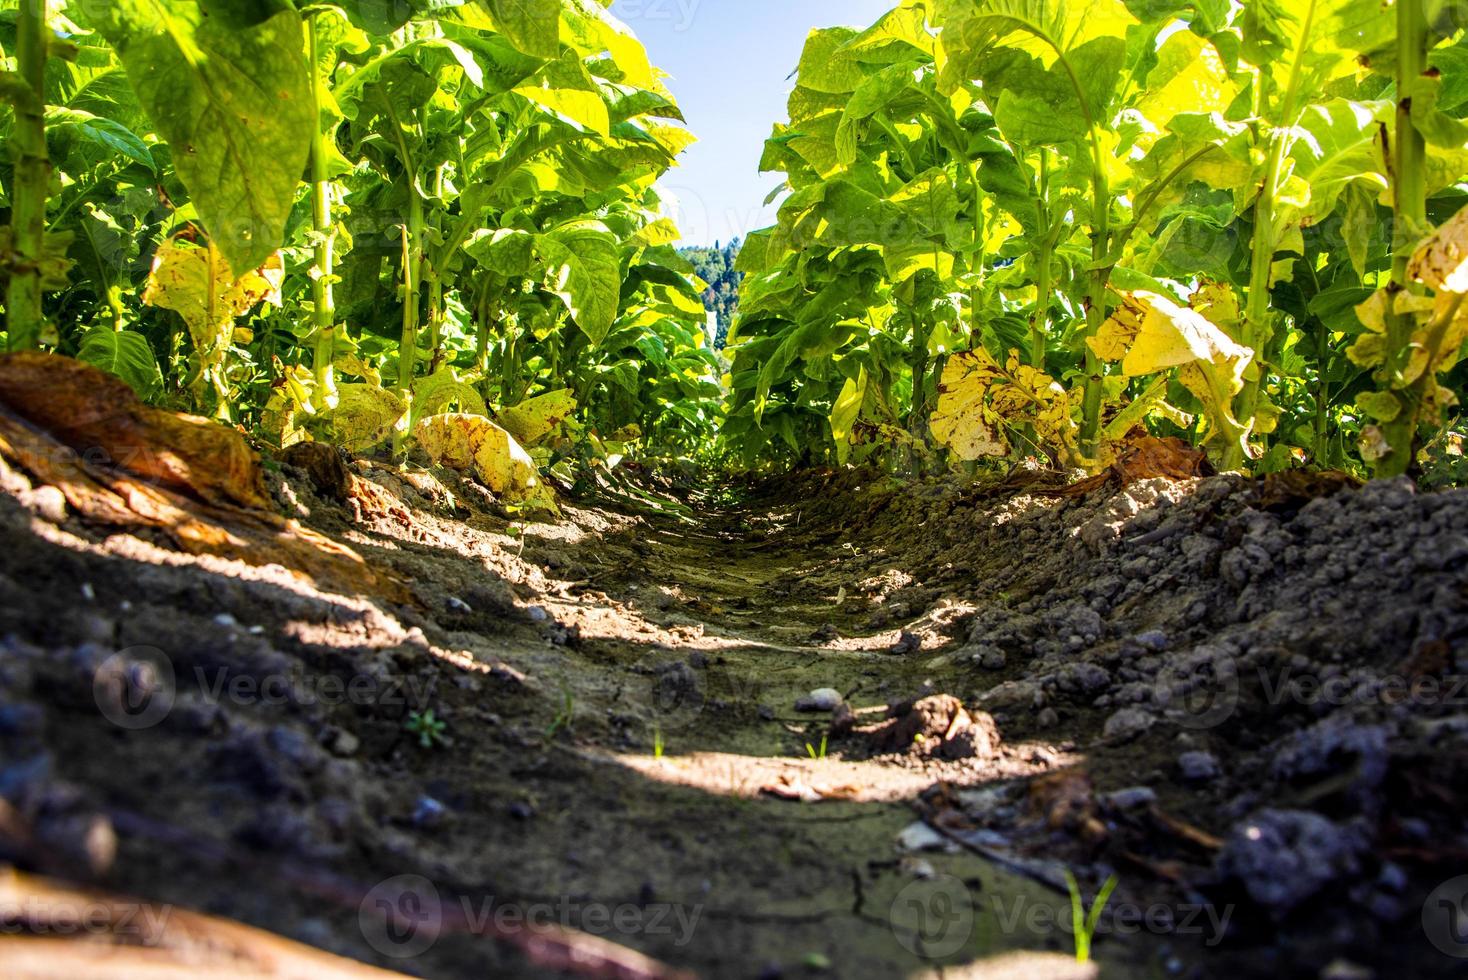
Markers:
point(533, 26)
point(124, 354)
point(234, 105)
point(845, 412)
point(584, 269)
point(566, 88)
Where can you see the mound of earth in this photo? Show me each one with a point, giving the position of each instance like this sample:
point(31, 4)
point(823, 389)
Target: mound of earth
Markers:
point(522, 748)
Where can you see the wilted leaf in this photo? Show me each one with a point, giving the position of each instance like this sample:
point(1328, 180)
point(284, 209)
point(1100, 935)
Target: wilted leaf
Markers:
point(441, 393)
point(977, 396)
point(197, 283)
point(532, 420)
point(473, 444)
point(1150, 333)
point(846, 411)
point(1441, 262)
point(365, 416)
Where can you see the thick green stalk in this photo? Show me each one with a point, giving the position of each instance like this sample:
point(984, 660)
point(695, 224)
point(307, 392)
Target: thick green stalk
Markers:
point(1257, 330)
point(1409, 167)
point(24, 318)
point(412, 286)
point(323, 299)
point(1040, 319)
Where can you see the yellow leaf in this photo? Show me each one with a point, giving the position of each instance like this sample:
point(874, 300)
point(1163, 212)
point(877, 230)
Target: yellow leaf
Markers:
point(196, 282)
point(963, 421)
point(474, 444)
point(1170, 336)
point(365, 416)
point(1441, 262)
point(532, 420)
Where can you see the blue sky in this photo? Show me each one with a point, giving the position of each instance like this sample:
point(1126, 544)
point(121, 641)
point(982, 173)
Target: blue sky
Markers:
point(730, 60)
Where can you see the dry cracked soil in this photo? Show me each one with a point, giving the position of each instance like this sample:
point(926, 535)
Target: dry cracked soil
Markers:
point(826, 725)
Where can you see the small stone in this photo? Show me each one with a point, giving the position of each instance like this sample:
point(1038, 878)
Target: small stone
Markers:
point(994, 660)
point(458, 606)
point(1198, 767)
point(342, 742)
point(821, 699)
point(1048, 718)
point(1155, 640)
point(1132, 798)
point(766, 713)
point(1343, 969)
point(1127, 724)
point(428, 813)
point(226, 620)
point(537, 614)
point(521, 810)
point(918, 836)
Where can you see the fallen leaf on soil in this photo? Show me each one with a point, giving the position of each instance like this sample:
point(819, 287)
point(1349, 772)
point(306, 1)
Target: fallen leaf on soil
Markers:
point(1065, 801)
point(1145, 457)
point(324, 467)
point(789, 786)
point(472, 443)
point(100, 417)
point(123, 464)
point(101, 935)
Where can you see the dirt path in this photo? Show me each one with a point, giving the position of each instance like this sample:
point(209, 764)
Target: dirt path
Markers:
point(615, 745)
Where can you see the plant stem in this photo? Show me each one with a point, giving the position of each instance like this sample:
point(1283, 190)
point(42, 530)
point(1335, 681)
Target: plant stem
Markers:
point(1040, 319)
point(412, 284)
point(323, 299)
point(24, 317)
point(1257, 331)
point(1409, 175)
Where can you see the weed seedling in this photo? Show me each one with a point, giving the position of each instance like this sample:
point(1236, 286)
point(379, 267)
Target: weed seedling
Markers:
point(1085, 925)
point(811, 749)
point(657, 742)
point(564, 716)
point(429, 728)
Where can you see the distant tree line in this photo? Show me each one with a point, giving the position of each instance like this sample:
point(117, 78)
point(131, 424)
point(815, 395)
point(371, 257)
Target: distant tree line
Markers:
point(716, 267)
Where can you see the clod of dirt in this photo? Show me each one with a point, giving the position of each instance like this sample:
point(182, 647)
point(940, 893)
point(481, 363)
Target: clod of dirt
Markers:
point(937, 726)
point(323, 466)
point(907, 643)
point(1283, 857)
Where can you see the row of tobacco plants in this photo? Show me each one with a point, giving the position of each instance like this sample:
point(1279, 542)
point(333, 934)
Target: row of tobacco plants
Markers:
point(1026, 227)
point(353, 220)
